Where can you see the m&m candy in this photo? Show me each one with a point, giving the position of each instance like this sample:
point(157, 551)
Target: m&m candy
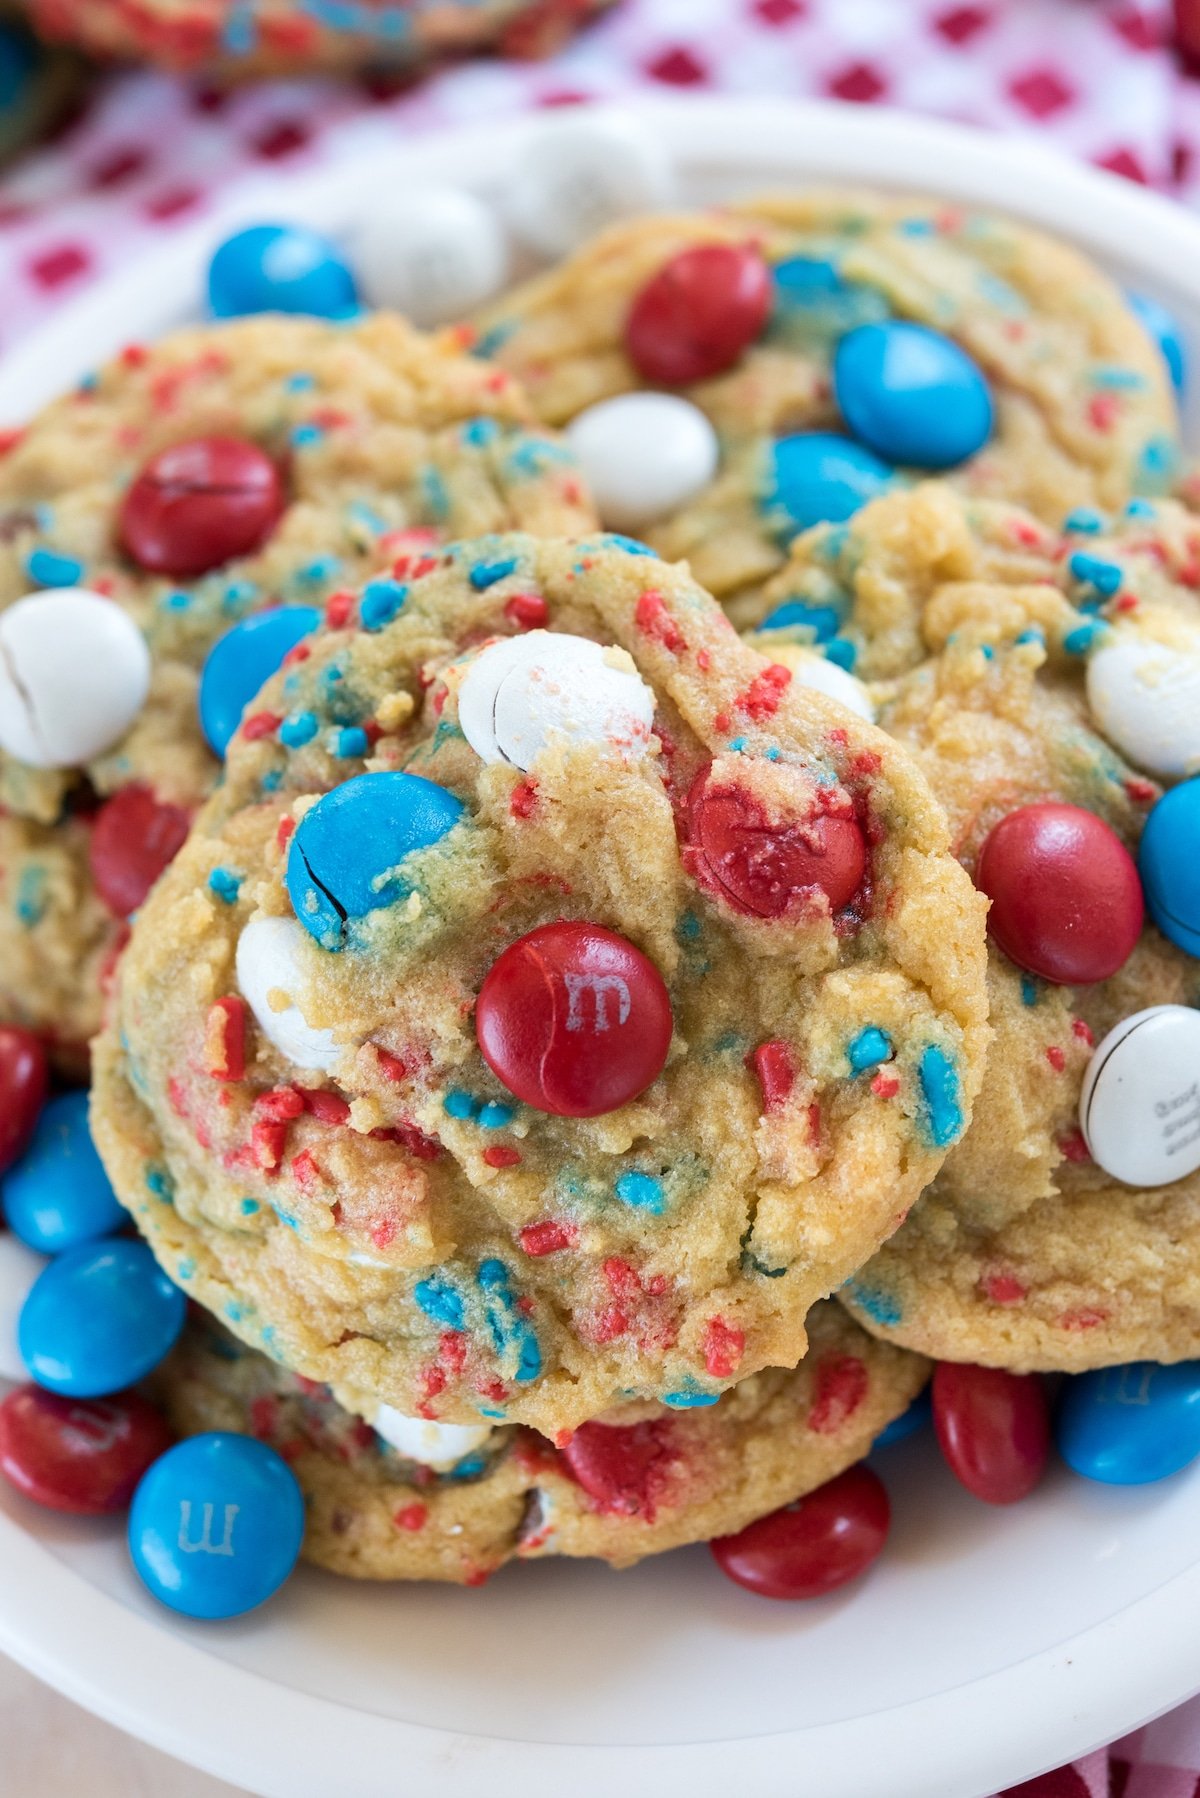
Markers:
point(280, 268)
point(643, 455)
point(909, 1423)
point(1145, 698)
point(74, 674)
point(242, 661)
point(814, 1546)
point(1139, 1107)
point(345, 858)
point(439, 1445)
point(216, 1525)
point(200, 504)
point(134, 838)
point(79, 1455)
point(993, 1428)
point(576, 174)
point(98, 1319)
point(58, 1195)
point(24, 1083)
point(520, 694)
point(769, 863)
point(622, 1466)
point(911, 394)
point(694, 318)
point(433, 255)
point(1066, 898)
point(1126, 1426)
point(1169, 865)
point(268, 963)
point(816, 477)
point(574, 1020)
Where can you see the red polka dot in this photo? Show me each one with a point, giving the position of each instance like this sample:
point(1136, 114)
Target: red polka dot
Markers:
point(778, 12)
point(281, 139)
point(171, 202)
point(1139, 29)
point(54, 268)
point(858, 82)
point(962, 23)
point(678, 68)
point(1065, 1782)
point(1041, 92)
point(1124, 162)
point(119, 165)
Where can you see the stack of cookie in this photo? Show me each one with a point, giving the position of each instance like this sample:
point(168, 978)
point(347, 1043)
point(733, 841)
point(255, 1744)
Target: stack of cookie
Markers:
point(541, 999)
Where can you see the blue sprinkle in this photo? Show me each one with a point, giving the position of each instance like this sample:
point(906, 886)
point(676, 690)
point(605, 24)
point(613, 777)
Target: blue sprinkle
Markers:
point(842, 653)
point(225, 884)
point(939, 1085)
point(480, 431)
point(300, 383)
point(644, 1191)
point(1029, 990)
point(160, 1183)
point(438, 1300)
point(631, 546)
point(485, 1411)
point(869, 1048)
point(317, 573)
point(486, 345)
point(1157, 460)
point(272, 780)
point(471, 1466)
point(1083, 522)
point(351, 740)
point(823, 621)
point(690, 1401)
point(50, 569)
point(881, 1307)
point(459, 1104)
point(381, 602)
point(249, 1207)
point(486, 574)
point(739, 745)
point(1105, 577)
point(179, 601)
point(1141, 508)
point(238, 596)
point(1117, 378)
point(186, 1269)
point(302, 435)
point(494, 1115)
point(1080, 640)
point(31, 895)
point(298, 730)
point(512, 1334)
point(688, 927)
point(1035, 634)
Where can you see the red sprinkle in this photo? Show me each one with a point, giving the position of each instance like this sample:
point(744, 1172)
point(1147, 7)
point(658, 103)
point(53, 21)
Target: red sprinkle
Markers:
point(225, 1039)
point(842, 1383)
point(501, 1156)
point(724, 1345)
point(528, 611)
point(1056, 1058)
point(654, 620)
point(549, 1237)
point(522, 801)
point(1004, 1289)
point(776, 1071)
point(338, 609)
point(260, 724)
point(411, 1517)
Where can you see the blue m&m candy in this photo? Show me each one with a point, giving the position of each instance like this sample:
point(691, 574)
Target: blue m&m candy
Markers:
point(1126, 1426)
point(1170, 866)
point(58, 1194)
point(280, 268)
point(918, 1414)
point(1161, 326)
point(818, 478)
point(216, 1525)
point(98, 1319)
point(241, 661)
point(911, 394)
point(345, 858)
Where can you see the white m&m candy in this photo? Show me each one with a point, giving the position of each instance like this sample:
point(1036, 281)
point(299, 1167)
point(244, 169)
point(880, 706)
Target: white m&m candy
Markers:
point(643, 455)
point(520, 693)
point(1145, 697)
point(19, 1268)
point(438, 1445)
point(576, 175)
point(74, 674)
point(1140, 1105)
point(433, 255)
point(809, 669)
point(268, 969)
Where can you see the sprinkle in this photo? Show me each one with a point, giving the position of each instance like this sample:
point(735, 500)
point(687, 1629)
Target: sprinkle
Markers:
point(775, 1068)
point(411, 1517)
point(842, 1383)
point(501, 1155)
point(299, 383)
point(869, 1048)
point(528, 611)
point(1003, 1289)
point(438, 1300)
point(939, 1085)
point(31, 896)
point(259, 725)
point(494, 1115)
point(643, 1191)
point(48, 568)
point(512, 1335)
point(655, 621)
point(298, 730)
point(1084, 522)
point(1105, 577)
point(350, 741)
point(1029, 990)
point(549, 1237)
point(226, 884)
point(842, 653)
point(249, 1207)
point(486, 574)
point(631, 545)
point(879, 1306)
point(303, 435)
point(822, 621)
point(459, 1104)
point(689, 1400)
point(225, 1039)
point(1056, 1058)
point(1080, 640)
point(723, 1347)
point(381, 602)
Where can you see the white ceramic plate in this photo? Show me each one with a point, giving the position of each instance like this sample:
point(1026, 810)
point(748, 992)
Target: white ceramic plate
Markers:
point(985, 1647)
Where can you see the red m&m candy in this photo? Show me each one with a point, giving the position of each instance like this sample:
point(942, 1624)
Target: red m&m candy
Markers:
point(574, 1020)
point(993, 1427)
point(698, 313)
point(24, 1082)
point(134, 838)
point(1066, 898)
point(200, 504)
point(624, 1467)
point(764, 864)
point(79, 1455)
point(813, 1546)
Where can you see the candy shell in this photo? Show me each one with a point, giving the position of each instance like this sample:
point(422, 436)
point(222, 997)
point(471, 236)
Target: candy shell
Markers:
point(98, 1319)
point(1170, 866)
point(814, 1546)
point(912, 394)
point(622, 1466)
point(521, 693)
point(816, 477)
point(269, 964)
point(24, 1083)
point(574, 1020)
point(216, 1525)
point(1066, 897)
point(909, 1423)
point(346, 857)
point(79, 1455)
point(134, 839)
point(439, 1445)
point(767, 866)
point(1127, 1426)
point(643, 455)
point(19, 1270)
point(1163, 327)
point(242, 661)
point(810, 669)
point(433, 254)
point(199, 504)
point(993, 1428)
point(74, 674)
point(58, 1195)
point(576, 175)
point(696, 316)
point(1139, 1108)
point(280, 268)
point(1145, 698)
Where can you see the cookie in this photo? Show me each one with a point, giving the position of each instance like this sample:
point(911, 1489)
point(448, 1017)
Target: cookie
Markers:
point(749, 314)
point(284, 37)
point(554, 1001)
point(642, 1481)
point(357, 436)
point(1009, 649)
